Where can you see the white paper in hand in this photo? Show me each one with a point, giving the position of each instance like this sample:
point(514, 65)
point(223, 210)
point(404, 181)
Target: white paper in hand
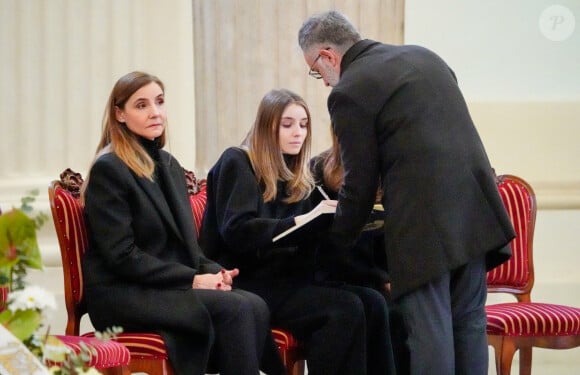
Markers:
point(323, 207)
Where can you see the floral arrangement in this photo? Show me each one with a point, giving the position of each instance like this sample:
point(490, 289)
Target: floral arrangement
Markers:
point(28, 307)
point(26, 311)
point(18, 245)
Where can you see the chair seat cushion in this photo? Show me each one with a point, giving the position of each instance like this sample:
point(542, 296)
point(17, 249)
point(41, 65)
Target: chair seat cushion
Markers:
point(532, 319)
point(141, 345)
point(106, 354)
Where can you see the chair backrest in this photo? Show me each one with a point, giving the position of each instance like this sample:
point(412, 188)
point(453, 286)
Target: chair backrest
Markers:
point(69, 222)
point(197, 190)
point(4, 289)
point(516, 276)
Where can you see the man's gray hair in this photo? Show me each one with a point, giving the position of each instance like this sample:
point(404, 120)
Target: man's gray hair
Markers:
point(330, 27)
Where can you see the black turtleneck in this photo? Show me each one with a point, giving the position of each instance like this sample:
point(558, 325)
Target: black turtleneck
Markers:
point(151, 146)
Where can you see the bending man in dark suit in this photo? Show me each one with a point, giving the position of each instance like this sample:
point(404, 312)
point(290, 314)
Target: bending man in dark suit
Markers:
point(399, 116)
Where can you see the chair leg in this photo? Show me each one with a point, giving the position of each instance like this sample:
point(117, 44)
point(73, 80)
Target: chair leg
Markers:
point(508, 349)
point(525, 361)
point(504, 350)
point(298, 368)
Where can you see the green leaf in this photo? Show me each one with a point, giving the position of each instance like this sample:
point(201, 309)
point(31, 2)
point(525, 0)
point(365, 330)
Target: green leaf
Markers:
point(5, 273)
point(22, 323)
point(26, 201)
point(5, 316)
point(18, 233)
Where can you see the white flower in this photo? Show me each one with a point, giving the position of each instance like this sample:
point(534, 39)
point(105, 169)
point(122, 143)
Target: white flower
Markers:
point(55, 350)
point(31, 297)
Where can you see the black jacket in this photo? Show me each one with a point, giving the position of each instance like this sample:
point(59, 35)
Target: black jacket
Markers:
point(238, 227)
point(400, 117)
point(142, 257)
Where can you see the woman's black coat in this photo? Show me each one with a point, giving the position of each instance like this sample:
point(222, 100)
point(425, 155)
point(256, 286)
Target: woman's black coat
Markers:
point(142, 257)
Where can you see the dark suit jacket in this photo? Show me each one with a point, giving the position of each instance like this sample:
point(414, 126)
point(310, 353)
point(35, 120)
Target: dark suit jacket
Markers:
point(399, 115)
point(142, 257)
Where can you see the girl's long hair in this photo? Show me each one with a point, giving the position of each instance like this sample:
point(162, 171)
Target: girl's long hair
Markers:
point(263, 147)
point(332, 170)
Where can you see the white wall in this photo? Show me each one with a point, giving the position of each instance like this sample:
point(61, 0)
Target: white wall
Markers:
point(523, 88)
point(499, 49)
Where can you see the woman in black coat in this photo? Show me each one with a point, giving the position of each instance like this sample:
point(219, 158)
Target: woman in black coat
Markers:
point(256, 192)
point(144, 270)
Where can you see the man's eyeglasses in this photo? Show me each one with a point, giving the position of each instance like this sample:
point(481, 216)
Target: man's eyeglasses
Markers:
point(313, 73)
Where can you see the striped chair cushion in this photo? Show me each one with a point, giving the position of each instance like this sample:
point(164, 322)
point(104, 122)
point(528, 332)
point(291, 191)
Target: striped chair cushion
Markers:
point(532, 319)
point(106, 354)
point(141, 345)
point(518, 202)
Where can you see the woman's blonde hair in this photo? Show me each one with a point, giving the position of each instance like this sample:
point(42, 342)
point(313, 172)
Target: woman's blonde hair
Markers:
point(263, 147)
point(116, 136)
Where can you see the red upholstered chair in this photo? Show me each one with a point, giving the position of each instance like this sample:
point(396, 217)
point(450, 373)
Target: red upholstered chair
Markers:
point(523, 325)
point(197, 197)
point(291, 351)
point(148, 351)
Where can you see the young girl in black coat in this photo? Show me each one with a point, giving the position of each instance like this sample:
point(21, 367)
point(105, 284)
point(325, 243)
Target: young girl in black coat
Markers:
point(258, 191)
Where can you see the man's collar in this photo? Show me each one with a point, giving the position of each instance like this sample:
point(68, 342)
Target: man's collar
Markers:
point(353, 52)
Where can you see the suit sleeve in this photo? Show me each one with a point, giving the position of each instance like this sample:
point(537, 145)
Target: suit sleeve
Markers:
point(354, 127)
point(109, 216)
